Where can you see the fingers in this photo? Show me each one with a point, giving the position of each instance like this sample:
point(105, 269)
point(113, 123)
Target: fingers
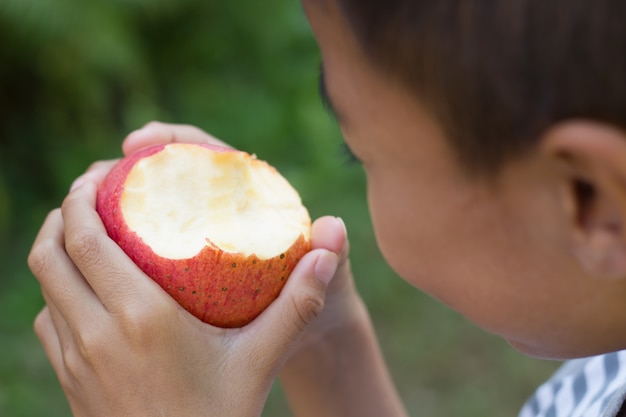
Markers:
point(114, 278)
point(56, 347)
point(96, 173)
point(303, 297)
point(156, 133)
point(62, 329)
point(46, 332)
point(278, 328)
point(60, 280)
point(330, 233)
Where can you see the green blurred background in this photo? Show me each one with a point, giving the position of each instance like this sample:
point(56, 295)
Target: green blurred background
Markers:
point(76, 76)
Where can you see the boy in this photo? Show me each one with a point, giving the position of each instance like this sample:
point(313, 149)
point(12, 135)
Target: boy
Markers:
point(493, 138)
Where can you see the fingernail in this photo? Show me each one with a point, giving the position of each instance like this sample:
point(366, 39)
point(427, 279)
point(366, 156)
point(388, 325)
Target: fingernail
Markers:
point(343, 225)
point(77, 183)
point(326, 266)
point(344, 242)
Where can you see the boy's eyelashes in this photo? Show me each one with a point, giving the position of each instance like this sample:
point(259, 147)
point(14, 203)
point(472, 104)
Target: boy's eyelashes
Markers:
point(347, 155)
point(321, 86)
point(326, 101)
point(344, 150)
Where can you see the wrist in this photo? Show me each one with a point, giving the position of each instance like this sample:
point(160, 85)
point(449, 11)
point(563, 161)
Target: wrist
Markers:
point(341, 371)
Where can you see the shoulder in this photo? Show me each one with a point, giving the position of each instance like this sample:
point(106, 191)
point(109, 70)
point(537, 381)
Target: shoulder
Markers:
point(588, 387)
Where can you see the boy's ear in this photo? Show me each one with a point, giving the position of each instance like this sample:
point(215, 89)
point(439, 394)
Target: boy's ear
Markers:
point(591, 162)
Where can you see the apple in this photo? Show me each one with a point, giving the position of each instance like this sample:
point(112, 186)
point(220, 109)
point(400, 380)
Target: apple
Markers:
point(216, 228)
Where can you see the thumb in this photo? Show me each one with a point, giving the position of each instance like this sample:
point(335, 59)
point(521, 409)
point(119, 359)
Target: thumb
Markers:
point(301, 300)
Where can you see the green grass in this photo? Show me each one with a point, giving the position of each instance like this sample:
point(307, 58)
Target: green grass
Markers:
point(69, 95)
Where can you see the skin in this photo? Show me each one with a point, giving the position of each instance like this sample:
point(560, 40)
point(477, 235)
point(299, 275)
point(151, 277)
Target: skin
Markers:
point(521, 254)
point(502, 251)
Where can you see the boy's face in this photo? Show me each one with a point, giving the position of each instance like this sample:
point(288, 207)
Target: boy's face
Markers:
point(495, 252)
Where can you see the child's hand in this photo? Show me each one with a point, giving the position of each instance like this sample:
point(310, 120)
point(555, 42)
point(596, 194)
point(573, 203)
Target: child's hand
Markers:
point(122, 347)
point(343, 305)
point(155, 133)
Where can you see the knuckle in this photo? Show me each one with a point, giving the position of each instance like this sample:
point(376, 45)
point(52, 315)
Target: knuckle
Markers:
point(141, 324)
point(84, 246)
point(86, 351)
point(307, 308)
point(40, 324)
point(44, 253)
point(42, 258)
point(39, 259)
point(87, 345)
point(135, 324)
point(72, 360)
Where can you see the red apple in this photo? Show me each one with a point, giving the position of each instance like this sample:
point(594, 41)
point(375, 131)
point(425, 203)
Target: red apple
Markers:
point(216, 228)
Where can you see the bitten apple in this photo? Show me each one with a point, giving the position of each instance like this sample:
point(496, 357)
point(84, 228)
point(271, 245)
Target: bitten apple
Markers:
point(217, 228)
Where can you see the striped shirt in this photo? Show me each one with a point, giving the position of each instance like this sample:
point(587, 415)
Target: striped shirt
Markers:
point(588, 387)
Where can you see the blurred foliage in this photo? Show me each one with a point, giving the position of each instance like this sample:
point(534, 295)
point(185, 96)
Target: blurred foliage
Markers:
point(77, 76)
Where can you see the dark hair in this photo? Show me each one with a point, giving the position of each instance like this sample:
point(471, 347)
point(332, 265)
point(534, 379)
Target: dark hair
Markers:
point(496, 74)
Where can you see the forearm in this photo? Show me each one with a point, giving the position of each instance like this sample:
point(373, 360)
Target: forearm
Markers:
point(342, 374)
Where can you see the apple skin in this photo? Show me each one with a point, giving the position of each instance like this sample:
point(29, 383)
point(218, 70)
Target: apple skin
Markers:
point(222, 289)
